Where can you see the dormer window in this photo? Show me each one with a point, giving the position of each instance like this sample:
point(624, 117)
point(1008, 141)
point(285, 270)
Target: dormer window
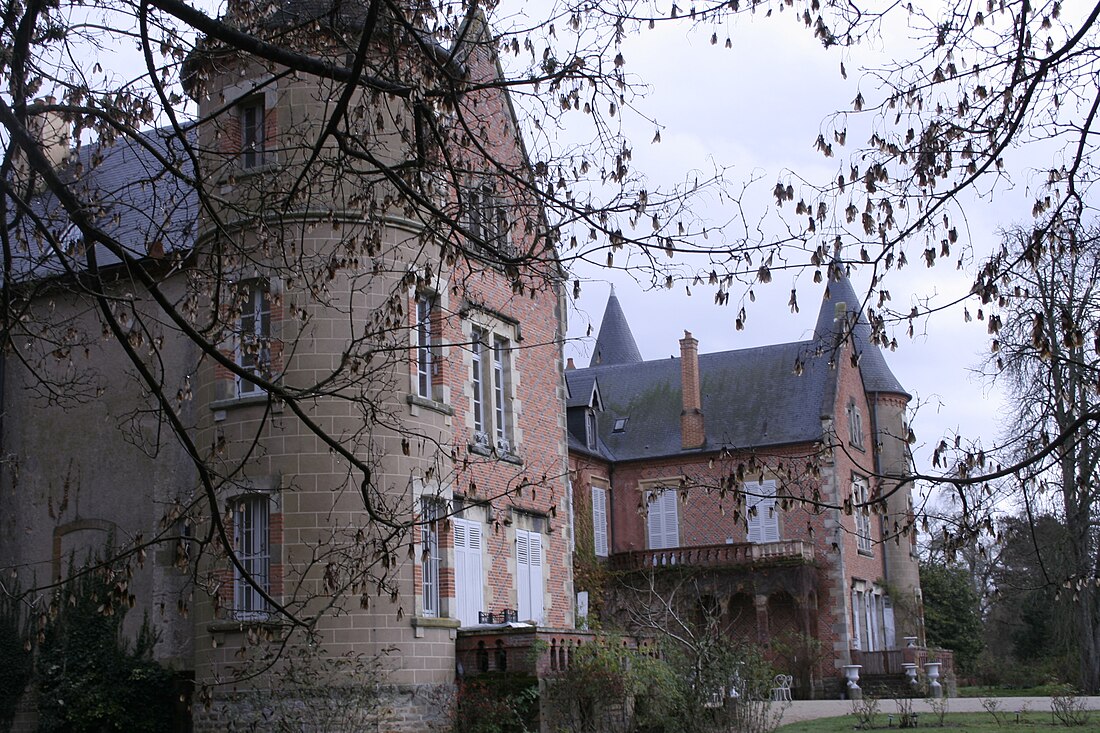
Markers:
point(855, 425)
point(487, 218)
point(590, 429)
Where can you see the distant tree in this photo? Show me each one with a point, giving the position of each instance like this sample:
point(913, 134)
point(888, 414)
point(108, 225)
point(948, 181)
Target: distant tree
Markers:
point(1046, 355)
point(1031, 621)
point(951, 612)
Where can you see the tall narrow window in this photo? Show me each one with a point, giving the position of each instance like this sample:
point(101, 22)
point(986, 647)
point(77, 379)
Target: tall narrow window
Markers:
point(491, 409)
point(862, 513)
point(859, 623)
point(468, 572)
point(477, 345)
point(590, 429)
point(429, 555)
point(251, 530)
point(254, 336)
point(500, 407)
point(763, 518)
point(599, 520)
point(425, 306)
point(855, 426)
point(663, 520)
point(252, 133)
point(529, 598)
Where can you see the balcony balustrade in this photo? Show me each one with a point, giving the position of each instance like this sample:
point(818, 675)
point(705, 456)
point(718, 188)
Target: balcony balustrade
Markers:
point(784, 552)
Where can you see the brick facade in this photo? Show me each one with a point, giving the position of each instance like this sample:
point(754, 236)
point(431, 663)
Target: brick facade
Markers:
point(841, 533)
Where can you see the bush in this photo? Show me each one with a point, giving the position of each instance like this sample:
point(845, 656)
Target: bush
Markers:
point(15, 658)
point(89, 680)
point(497, 702)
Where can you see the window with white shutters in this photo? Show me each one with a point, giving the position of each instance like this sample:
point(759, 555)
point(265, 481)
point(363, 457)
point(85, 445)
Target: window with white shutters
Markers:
point(468, 575)
point(763, 516)
point(599, 520)
point(663, 521)
point(529, 593)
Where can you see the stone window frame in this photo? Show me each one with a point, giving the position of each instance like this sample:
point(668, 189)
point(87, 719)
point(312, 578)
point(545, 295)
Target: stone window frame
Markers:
point(261, 94)
point(855, 425)
point(439, 399)
point(256, 303)
point(498, 337)
point(246, 602)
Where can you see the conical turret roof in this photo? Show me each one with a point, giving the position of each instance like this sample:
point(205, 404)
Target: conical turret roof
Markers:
point(877, 376)
point(615, 343)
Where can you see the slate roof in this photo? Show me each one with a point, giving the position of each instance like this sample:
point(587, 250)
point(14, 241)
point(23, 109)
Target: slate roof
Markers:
point(138, 202)
point(615, 343)
point(750, 397)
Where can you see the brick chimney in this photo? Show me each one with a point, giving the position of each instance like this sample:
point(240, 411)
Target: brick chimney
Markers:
point(692, 434)
point(52, 133)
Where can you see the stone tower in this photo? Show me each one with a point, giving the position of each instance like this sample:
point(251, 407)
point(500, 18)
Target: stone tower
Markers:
point(888, 401)
point(387, 407)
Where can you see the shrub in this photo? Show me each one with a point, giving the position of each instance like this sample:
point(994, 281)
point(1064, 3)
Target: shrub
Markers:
point(15, 657)
point(88, 678)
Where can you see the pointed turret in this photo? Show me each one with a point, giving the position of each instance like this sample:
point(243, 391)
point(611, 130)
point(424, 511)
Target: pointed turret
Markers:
point(877, 376)
point(615, 343)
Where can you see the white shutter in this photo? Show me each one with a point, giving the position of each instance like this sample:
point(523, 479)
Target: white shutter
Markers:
point(529, 595)
point(599, 520)
point(523, 576)
point(855, 619)
point(888, 623)
point(468, 577)
point(663, 524)
point(764, 526)
point(536, 577)
point(869, 621)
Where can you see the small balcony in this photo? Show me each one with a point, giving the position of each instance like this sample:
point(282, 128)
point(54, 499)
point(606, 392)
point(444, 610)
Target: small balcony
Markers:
point(527, 650)
point(744, 554)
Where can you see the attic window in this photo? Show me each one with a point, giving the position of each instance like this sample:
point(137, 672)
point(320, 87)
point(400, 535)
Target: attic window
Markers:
point(620, 425)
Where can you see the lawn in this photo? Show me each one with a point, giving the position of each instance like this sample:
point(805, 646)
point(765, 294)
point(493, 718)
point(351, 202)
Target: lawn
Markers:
point(953, 722)
point(983, 691)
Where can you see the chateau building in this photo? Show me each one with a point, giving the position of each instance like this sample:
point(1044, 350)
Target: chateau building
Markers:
point(772, 479)
point(298, 366)
point(349, 374)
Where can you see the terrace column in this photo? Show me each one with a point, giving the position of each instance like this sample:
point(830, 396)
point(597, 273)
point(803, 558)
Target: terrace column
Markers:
point(761, 603)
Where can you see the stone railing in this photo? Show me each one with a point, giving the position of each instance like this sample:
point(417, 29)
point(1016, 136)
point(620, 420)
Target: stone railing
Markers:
point(529, 650)
point(744, 553)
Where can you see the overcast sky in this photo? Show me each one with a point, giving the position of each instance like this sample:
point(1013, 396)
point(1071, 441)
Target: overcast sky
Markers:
point(759, 108)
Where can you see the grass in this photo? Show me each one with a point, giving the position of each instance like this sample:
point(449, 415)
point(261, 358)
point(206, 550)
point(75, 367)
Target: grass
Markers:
point(953, 722)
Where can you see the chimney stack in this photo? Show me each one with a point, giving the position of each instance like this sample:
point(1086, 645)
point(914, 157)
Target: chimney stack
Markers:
point(53, 134)
point(51, 131)
point(692, 434)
